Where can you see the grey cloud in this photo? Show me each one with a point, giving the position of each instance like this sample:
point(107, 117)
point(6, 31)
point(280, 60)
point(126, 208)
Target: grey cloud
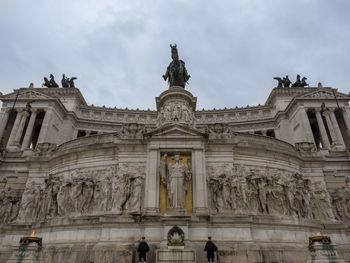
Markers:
point(120, 49)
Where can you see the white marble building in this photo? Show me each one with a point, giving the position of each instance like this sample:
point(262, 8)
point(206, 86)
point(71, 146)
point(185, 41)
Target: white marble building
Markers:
point(92, 180)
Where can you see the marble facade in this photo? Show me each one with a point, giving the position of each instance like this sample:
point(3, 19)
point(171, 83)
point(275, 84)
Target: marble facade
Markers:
point(88, 179)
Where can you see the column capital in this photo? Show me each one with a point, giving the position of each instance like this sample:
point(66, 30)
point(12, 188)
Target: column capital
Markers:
point(318, 109)
point(34, 110)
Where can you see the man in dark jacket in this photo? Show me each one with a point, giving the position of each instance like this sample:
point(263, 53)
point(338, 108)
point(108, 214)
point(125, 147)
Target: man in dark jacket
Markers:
point(210, 248)
point(142, 250)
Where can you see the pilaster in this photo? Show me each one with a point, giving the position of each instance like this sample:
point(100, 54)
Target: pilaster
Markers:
point(200, 182)
point(152, 184)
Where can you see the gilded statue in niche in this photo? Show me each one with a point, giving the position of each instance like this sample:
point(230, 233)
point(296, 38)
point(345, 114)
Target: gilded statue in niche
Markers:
point(175, 183)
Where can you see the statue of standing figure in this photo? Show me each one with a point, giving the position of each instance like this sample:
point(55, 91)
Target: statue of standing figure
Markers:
point(176, 73)
point(176, 177)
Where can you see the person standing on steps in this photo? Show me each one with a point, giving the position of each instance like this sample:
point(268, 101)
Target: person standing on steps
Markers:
point(211, 249)
point(142, 250)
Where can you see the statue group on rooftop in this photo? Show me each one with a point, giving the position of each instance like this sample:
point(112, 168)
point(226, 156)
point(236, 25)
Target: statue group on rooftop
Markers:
point(286, 83)
point(66, 82)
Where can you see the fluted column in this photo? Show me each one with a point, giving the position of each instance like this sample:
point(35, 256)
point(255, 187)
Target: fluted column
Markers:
point(347, 124)
point(346, 119)
point(4, 119)
point(326, 114)
point(20, 128)
point(307, 126)
point(44, 126)
point(322, 129)
point(336, 128)
point(29, 131)
point(15, 128)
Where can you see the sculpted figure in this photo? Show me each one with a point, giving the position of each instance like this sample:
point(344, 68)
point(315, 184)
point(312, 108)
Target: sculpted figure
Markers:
point(286, 82)
point(280, 82)
point(253, 193)
point(87, 195)
point(121, 191)
point(65, 81)
point(9, 208)
point(64, 205)
point(226, 191)
point(216, 192)
point(290, 189)
point(322, 208)
point(176, 73)
point(261, 184)
point(53, 83)
point(303, 82)
point(102, 194)
point(276, 200)
point(136, 192)
point(176, 178)
point(75, 193)
point(297, 83)
point(339, 205)
point(46, 83)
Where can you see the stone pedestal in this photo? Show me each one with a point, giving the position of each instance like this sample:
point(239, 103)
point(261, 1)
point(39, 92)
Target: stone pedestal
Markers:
point(322, 251)
point(30, 253)
point(177, 254)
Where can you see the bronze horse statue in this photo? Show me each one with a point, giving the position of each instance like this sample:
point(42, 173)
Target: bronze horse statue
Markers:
point(176, 73)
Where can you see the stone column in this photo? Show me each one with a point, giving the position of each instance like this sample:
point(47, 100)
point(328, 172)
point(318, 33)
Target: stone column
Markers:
point(44, 126)
point(264, 132)
point(4, 119)
point(152, 183)
point(20, 128)
point(199, 182)
point(346, 119)
point(75, 134)
point(336, 128)
point(307, 126)
point(29, 131)
point(326, 114)
point(14, 128)
point(322, 129)
point(347, 125)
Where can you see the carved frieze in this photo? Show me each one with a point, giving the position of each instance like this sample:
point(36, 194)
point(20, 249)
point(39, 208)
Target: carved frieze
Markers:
point(175, 111)
point(237, 189)
point(89, 191)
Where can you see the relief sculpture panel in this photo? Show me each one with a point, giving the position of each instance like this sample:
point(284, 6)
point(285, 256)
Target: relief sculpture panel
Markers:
point(89, 191)
point(236, 189)
point(175, 111)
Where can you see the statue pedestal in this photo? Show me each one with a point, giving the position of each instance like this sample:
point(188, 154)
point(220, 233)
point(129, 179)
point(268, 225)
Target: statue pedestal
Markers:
point(175, 254)
point(322, 251)
point(30, 253)
point(175, 211)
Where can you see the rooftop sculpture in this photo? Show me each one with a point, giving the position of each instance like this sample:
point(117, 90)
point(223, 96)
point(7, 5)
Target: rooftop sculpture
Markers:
point(176, 73)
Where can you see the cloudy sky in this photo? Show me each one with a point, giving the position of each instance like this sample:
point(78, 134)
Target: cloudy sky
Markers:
point(120, 49)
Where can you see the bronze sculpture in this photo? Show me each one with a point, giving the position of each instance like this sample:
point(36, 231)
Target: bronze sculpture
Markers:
point(280, 82)
point(297, 83)
point(50, 83)
point(176, 73)
point(65, 81)
point(285, 82)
